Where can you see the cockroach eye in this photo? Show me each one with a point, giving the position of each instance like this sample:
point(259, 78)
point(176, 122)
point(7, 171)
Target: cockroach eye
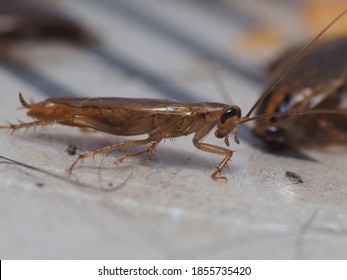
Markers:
point(231, 112)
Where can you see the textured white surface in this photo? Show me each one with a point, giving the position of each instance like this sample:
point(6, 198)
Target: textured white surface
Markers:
point(168, 207)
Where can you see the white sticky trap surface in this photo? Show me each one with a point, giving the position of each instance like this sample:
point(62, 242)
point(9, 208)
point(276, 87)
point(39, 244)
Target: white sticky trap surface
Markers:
point(165, 205)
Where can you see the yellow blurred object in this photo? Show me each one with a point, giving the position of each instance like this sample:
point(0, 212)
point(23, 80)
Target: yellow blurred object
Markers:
point(263, 37)
point(318, 14)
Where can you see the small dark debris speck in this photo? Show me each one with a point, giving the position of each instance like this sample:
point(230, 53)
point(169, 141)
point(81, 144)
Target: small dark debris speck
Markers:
point(72, 149)
point(40, 184)
point(294, 176)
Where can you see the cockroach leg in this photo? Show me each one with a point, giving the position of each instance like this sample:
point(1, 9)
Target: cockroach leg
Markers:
point(329, 128)
point(215, 150)
point(221, 166)
point(29, 124)
point(124, 144)
point(149, 149)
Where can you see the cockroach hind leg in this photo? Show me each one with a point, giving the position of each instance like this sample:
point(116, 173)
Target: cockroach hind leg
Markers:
point(72, 166)
point(27, 124)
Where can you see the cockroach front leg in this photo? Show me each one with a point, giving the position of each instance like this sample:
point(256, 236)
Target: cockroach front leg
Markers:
point(124, 144)
point(214, 150)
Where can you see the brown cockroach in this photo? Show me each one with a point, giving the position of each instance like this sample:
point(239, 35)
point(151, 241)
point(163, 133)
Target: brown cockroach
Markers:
point(317, 81)
point(160, 119)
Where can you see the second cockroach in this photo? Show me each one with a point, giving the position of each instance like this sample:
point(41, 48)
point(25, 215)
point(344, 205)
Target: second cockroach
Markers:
point(160, 119)
point(318, 80)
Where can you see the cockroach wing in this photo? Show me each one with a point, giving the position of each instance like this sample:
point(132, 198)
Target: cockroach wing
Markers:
point(121, 116)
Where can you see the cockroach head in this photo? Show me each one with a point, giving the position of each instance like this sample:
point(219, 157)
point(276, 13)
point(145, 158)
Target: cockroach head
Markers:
point(228, 121)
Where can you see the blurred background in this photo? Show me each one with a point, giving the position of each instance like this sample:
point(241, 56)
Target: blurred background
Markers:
point(165, 205)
